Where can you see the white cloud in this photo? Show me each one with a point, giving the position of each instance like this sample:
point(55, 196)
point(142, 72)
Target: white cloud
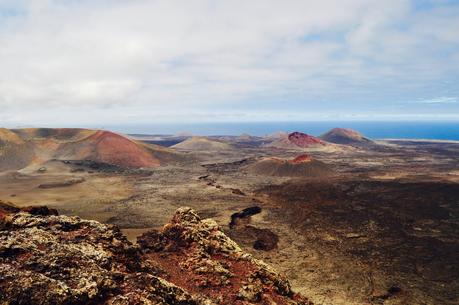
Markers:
point(439, 100)
point(147, 57)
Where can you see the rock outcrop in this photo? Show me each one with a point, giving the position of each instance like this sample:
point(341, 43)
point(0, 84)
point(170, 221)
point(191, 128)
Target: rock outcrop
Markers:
point(51, 259)
point(244, 216)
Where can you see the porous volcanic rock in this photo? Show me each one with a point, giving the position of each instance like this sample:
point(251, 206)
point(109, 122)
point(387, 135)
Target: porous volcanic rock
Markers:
point(195, 254)
point(50, 259)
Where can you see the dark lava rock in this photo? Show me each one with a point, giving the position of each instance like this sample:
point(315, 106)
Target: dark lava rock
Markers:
point(266, 240)
point(67, 260)
point(64, 183)
point(237, 192)
point(40, 210)
point(197, 255)
point(245, 213)
point(50, 259)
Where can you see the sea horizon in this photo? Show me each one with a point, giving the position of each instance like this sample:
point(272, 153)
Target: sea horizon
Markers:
point(375, 130)
point(431, 130)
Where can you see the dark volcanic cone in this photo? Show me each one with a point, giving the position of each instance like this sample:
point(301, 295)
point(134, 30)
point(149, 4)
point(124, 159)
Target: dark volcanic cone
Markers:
point(301, 166)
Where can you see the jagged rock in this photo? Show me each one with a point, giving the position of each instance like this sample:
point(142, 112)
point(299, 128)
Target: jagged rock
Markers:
point(66, 260)
point(40, 210)
point(251, 293)
point(51, 259)
point(198, 256)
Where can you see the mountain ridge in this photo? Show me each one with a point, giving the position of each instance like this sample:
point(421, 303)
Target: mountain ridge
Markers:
point(22, 147)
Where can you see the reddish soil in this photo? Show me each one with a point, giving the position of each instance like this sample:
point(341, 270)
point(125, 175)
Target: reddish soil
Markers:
point(208, 284)
point(196, 256)
point(304, 140)
point(115, 149)
point(41, 145)
point(301, 159)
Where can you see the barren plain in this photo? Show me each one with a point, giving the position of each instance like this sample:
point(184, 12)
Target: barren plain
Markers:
point(380, 226)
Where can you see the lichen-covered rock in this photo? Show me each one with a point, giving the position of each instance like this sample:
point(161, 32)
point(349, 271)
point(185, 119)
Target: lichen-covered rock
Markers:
point(66, 260)
point(50, 259)
point(198, 256)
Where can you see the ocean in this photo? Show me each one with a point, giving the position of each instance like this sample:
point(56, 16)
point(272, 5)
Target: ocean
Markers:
point(374, 130)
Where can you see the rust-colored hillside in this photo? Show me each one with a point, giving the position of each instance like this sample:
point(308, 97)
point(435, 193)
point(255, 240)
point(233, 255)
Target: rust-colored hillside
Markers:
point(20, 148)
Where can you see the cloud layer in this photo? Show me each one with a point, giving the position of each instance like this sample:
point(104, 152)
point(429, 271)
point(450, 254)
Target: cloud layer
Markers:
point(91, 61)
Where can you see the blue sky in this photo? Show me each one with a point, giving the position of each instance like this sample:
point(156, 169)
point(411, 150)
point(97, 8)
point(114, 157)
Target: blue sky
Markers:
point(73, 62)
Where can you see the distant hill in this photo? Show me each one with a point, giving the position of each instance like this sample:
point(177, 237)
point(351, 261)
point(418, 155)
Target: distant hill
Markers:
point(22, 147)
point(301, 166)
point(345, 136)
point(202, 143)
point(295, 140)
point(14, 151)
point(304, 140)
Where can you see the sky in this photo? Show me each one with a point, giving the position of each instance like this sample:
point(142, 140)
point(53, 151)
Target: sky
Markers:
point(80, 62)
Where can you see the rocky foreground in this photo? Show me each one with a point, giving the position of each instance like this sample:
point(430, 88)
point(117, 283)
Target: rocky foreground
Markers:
point(50, 259)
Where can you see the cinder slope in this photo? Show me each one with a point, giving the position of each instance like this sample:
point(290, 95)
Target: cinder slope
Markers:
point(201, 143)
point(304, 140)
point(345, 136)
point(57, 134)
point(301, 166)
point(296, 140)
point(108, 147)
point(20, 148)
point(14, 151)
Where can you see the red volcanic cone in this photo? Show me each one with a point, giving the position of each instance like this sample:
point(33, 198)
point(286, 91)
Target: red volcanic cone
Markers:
point(304, 140)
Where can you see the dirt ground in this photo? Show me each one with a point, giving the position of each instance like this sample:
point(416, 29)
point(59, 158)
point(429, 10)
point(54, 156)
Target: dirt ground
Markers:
point(384, 229)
